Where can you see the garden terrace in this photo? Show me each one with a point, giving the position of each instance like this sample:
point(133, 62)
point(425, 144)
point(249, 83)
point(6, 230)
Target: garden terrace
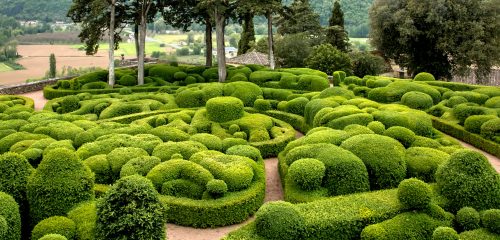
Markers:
point(372, 159)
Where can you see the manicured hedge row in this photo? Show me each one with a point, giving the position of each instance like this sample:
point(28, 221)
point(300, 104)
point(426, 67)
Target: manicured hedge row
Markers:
point(341, 217)
point(459, 132)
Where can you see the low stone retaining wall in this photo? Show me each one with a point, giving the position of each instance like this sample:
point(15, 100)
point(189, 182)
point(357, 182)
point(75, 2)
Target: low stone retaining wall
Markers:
point(30, 87)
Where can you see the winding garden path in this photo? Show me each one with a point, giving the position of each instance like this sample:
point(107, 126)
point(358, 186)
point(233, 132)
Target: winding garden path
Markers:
point(274, 190)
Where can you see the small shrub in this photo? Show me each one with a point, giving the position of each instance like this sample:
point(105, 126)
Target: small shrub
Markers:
point(127, 80)
point(279, 220)
point(70, 104)
point(212, 142)
point(131, 209)
point(491, 130)
point(417, 100)
point(455, 100)
point(491, 220)
point(377, 127)
point(467, 219)
point(473, 123)
point(245, 151)
point(216, 188)
point(247, 92)
point(423, 76)
point(59, 183)
point(493, 102)
point(468, 179)
point(423, 162)
point(55, 225)
point(307, 173)
point(180, 76)
point(10, 219)
point(367, 64)
point(53, 237)
point(414, 194)
point(139, 165)
point(120, 156)
point(445, 233)
point(223, 109)
point(262, 105)
point(297, 105)
point(124, 91)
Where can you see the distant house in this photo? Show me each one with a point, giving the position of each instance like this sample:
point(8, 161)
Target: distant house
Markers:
point(230, 52)
point(252, 57)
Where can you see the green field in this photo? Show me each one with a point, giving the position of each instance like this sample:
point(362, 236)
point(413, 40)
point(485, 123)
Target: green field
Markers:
point(5, 68)
point(128, 49)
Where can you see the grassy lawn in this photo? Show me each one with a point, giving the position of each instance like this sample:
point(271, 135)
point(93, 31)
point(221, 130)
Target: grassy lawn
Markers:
point(192, 59)
point(4, 68)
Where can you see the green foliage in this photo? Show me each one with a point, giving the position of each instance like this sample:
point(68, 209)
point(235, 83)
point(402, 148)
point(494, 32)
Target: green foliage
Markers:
point(395, 91)
point(245, 151)
point(493, 102)
point(279, 220)
point(468, 179)
point(424, 76)
point(409, 225)
point(404, 135)
point(417, 100)
point(297, 105)
point(414, 194)
point(445, 233)
point(223, 109)
point(292, 50)
point(377, 127)
point(127, 80)
point(473, 123)
point(367, 64)
point(491, 220)
point(131, 209)
point(164, 71)
point(262, 105)
point(59, 183)
point(165, 151)
point(455, 100)
point(84, 215)
point(383, 157)
point(422, 162)
point(216, 188)
point(120, 156)
point(467, 219)
point(481, 233)
point(473, 97)
point(55, 225)
point(70, 104)
point(212, 142)
point(52, 66)
point(53, 237)
point(329, 59)
point(247, 92)
point(10, 218)
point(491, 129)
point(307, 173)
point(299, 18)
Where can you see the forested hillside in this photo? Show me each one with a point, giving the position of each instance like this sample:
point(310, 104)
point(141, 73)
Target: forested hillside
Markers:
point(355, 14)
point(46, 10)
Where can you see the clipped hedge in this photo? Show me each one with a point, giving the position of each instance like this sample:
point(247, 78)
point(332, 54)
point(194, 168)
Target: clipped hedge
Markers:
point(55, 225)
point(9, 217)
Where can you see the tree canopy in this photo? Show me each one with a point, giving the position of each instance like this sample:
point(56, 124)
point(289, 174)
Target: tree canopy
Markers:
point(441, 37)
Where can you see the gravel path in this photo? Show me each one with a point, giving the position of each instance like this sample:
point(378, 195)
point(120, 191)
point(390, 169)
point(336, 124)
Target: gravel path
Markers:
point(274, 190)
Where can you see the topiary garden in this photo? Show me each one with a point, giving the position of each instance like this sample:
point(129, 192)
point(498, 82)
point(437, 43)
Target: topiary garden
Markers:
point(102, 162)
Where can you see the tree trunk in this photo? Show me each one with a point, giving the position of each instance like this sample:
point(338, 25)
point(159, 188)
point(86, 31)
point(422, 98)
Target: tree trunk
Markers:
point(111, 79)
point(142, 45)
point(270, 40)
point(136, 38)
point(221, 48)
point(208, 42)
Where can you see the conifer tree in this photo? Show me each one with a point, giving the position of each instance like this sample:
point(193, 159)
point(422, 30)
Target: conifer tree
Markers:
point(336, 34)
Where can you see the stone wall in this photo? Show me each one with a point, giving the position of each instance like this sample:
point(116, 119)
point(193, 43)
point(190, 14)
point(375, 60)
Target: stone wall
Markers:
point(29, 87)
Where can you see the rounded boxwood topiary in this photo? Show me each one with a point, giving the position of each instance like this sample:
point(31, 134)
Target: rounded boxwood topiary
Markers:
point(467, 219)
point(124, 91)
point(120, 156)
point(473, 123)
point(491, 130)
point(491, 220)
point(404, 135)
point(493, 102)
point(127, 80)
point(59, 183)
point(100, 167)
point(468, 179)
point(445, 233)
point(262, 105)
point(455, 100)
point(247, 92)
point(139, 165)
point(307, 173)
point(131, 209)
point(70, 103)
point(414, 194)
point(383, 157)
point(223, 109)
point(179, 76)
point(422, 162)
point(424, 76)
point(297, 105)
point(212, 142)
point(417, 100)
point(216, 188)
point(9, 212)
point(279, 220)
point(377, 127)
point(55, 225)
point(53, 237)
point(245, 151)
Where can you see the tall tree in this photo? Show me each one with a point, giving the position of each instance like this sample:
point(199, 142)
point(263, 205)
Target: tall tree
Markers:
point(440, 37)
point(335, 33)
point(111, 68)
point(52, 66)
point(298, 18)
point(143, 10)
point(248, 33)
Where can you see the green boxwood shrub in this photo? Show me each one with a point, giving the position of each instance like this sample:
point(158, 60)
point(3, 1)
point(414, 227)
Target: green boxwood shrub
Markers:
point(377, 127)
point(247, 92)
point(383, 157)
point(163, 71)
point(53, 237)
point(120, 156)
point(424, 76)
point(139, 165)
point(279, 220)
point(70, 104)
point(467, 219)
point(468, 179)
point(312, 83)
point(127, 80)
point(414, 194)
point(121, 109)
point(95, 85)
point(417, 100)
point(212, 142)
point(409, 225)
point(423, 162)
point(463, 111)
point(131, 209)
point(445, 233)
point(165, 151)
point(491, 130)
point(455, 100)
point(307, 173)
point(491, 220)
point(55, 225)
point(216, 188)
point(394, 91)
point(223, 109)
point(493, 102)
point(245, 151)
point(84, 215)
point(262, 105)
point(59, 183)
point(473, 123)
point(297, 105)
point(404, 135)
point(473, 97)
point(168, 133)
point(9, 217)
point(101, 168)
